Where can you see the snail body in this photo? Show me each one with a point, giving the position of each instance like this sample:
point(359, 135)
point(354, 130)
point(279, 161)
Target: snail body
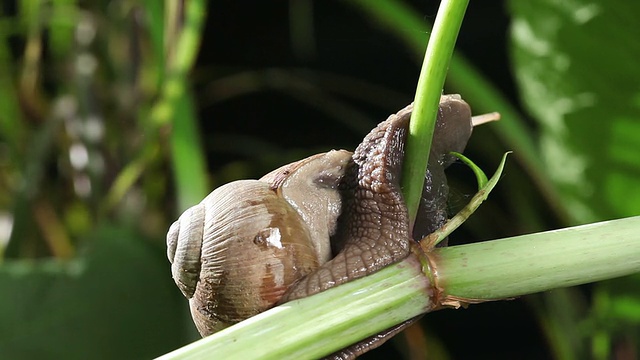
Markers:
point(309, 225)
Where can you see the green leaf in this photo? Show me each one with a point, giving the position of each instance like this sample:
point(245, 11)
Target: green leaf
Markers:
point(577, 67)
point(189, 164)
point(117, 302)
point(481, 177)
point(64, 18)
point(462, 215)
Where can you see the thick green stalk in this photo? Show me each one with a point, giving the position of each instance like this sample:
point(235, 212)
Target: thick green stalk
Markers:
point(313, 327)
point(328, 321)
point(425, 106)
point(537, 262)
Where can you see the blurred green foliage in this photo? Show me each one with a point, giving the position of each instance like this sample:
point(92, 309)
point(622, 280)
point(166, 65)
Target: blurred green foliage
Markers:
point(90, 93)
point(577, 70)
point(92, 306)
point(104, 107)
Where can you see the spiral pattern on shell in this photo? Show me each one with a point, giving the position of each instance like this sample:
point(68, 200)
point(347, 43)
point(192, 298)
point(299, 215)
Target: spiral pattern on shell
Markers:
point(249, 247)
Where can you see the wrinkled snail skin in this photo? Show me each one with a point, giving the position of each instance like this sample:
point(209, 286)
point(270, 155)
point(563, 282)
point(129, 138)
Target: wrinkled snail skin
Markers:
point(374, 229)
point(310, 225)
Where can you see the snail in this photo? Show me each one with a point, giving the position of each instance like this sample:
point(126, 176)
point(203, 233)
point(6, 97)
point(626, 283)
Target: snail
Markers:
point(310, 225)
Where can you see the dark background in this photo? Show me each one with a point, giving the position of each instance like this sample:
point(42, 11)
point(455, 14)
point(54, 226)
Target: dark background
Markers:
point(255, 36)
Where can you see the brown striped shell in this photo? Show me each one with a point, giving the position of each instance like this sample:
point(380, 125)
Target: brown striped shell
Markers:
point(238, 251)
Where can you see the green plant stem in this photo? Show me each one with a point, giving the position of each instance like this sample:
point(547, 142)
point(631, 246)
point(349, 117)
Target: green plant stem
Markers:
point(428, 92)
point(537, 262)
point(174, 107)
point(313, 327)
point(189, 164)
point(323, 323)
point(410, 27)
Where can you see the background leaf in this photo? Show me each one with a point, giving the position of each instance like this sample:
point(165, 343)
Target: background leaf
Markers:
point(116, 301)
point(577, 70)
point(576, 66)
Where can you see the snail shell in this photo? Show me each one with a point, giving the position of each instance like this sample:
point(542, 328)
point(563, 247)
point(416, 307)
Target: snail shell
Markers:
point(238, 251)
